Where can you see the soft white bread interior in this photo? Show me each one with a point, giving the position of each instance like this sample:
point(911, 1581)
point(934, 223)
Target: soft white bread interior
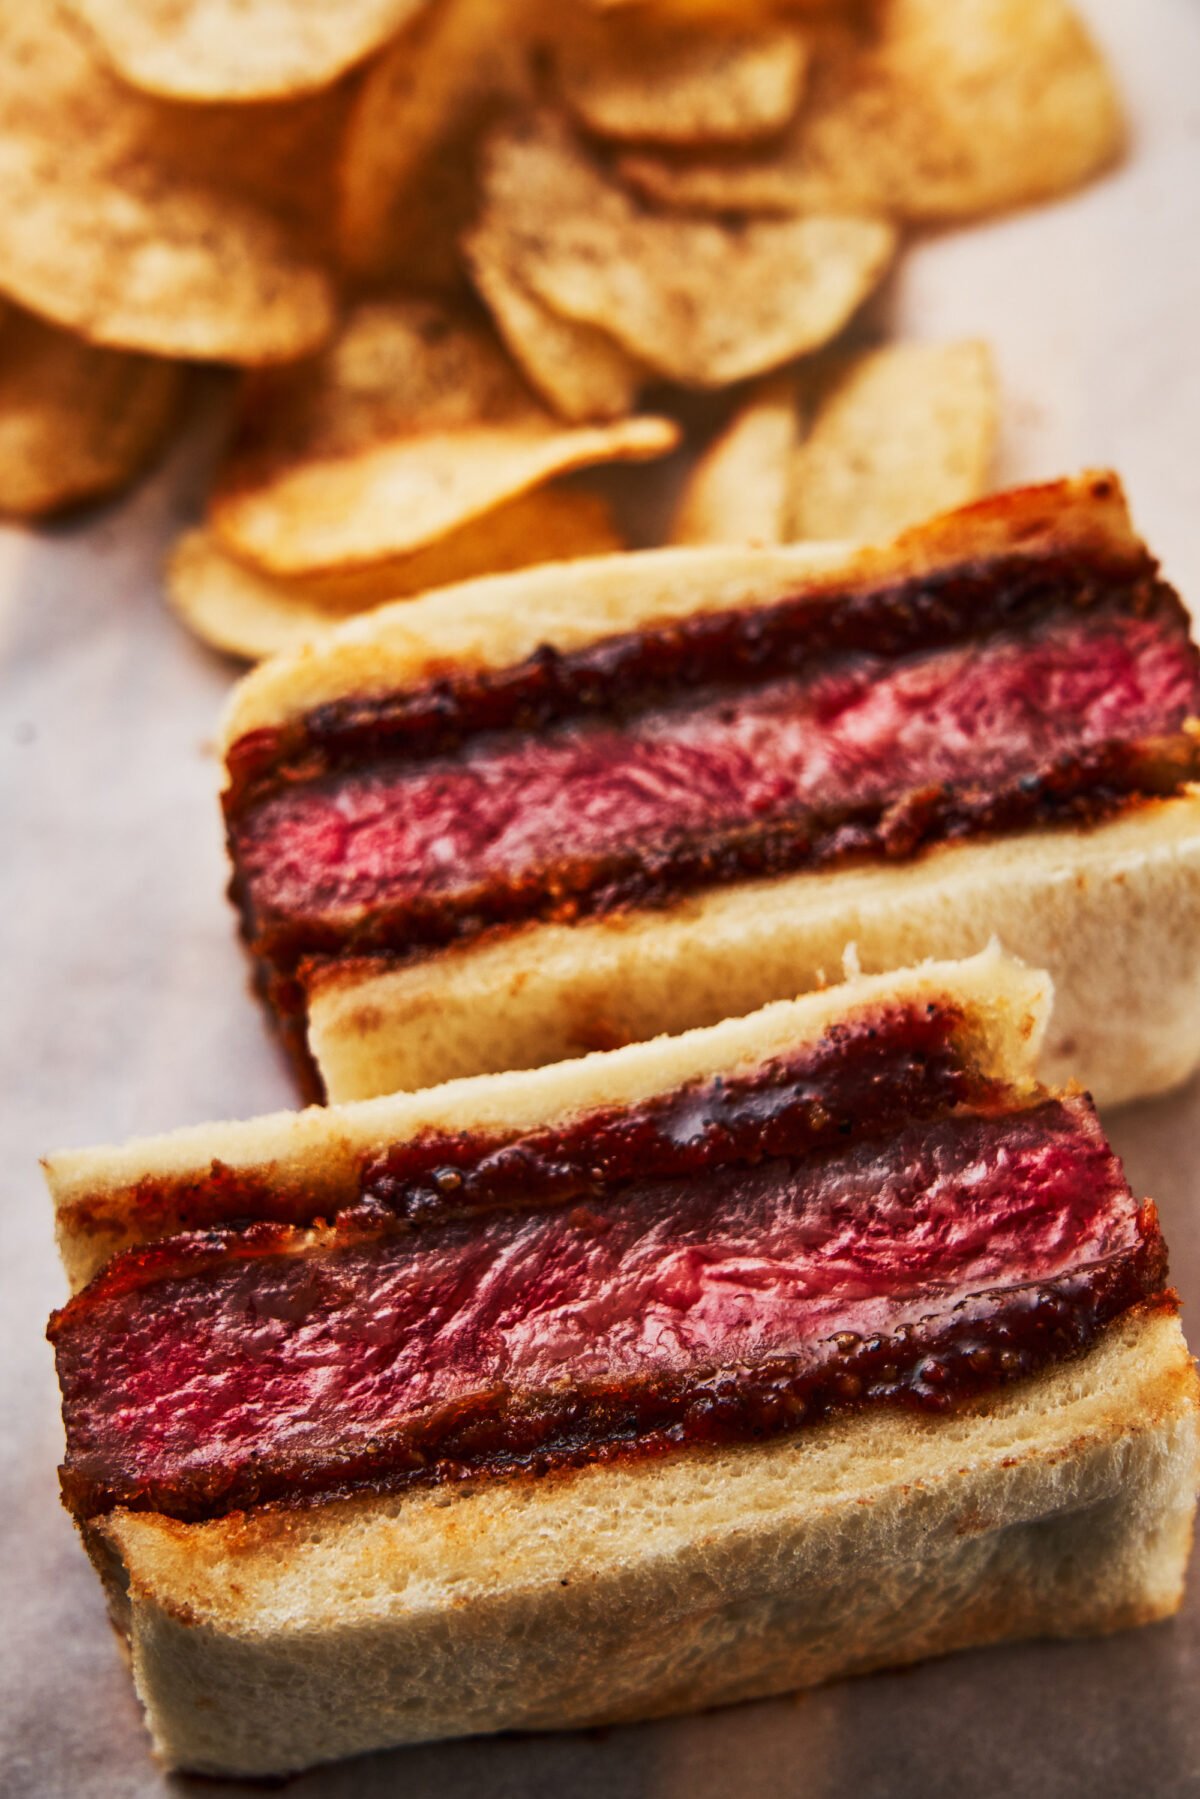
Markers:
point(1060, 1506)
point(1112, 912)
point(99, 1194)
point(499, 620)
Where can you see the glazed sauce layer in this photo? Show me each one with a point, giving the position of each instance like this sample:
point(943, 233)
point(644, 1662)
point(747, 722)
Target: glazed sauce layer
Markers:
point(737, 1304)
point(619, 676)
point(869, 1074)
point(386, 839)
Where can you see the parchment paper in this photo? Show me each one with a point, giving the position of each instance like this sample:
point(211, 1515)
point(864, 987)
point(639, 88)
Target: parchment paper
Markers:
point(125, 1009)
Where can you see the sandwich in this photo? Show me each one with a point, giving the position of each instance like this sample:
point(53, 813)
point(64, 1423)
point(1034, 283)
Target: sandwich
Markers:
point(577, 806)
point(802, 1344)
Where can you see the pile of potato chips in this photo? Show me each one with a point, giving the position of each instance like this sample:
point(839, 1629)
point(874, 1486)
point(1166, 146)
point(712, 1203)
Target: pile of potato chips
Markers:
point(463, 249)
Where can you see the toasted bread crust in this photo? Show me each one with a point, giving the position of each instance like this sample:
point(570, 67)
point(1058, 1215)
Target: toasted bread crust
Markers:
point(97, 1193)
point(498, 621)
point(265, 1643)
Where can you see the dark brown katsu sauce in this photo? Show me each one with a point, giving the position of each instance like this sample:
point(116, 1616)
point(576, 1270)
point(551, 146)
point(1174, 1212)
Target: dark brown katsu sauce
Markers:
point(923, 1240)
point(865, 1076)
point(223, 1369)
point(626, 673)
point(928, 1367)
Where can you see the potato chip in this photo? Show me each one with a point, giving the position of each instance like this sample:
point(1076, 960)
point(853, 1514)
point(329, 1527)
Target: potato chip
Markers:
point(106, 229)
point(898, 435)
point(411, 424)
point(582, 372)
point(76, 422)
point(279, 155)
point(246, 613)
point(407, 166)
point(226, 50)
point(672, 81)
point(712, 11)
point(703, 302)
point(947, 111)
point(739, 490)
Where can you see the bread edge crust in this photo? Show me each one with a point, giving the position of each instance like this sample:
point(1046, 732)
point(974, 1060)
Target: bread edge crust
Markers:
point(1004, 1008)
point(497, 621)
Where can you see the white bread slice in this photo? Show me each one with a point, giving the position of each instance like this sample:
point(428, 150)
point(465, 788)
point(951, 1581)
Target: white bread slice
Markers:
point(1061, 1506)
point(1112, 912)
point(1004, 1007)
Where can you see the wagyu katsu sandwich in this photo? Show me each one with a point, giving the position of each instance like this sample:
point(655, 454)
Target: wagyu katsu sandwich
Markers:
point(575, 807)
point(802, 1344)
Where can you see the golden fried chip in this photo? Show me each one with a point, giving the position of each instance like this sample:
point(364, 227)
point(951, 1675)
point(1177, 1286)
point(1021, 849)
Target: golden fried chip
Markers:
point(582, 372)
point(709, 11)
point(946, 111)
point(246, 613)
point(897, 435)
point(739, 490)
point(280, 155)
point(76, 422)
point(115, 225)
point(411, 424)
point(701, 301)
point(670, 80)
point(406, 174)
point(226, 50)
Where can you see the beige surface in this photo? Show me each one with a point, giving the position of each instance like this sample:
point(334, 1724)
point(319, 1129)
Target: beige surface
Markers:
point(127, 1011)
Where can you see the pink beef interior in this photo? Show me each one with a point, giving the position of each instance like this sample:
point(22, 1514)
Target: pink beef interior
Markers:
point(310, 1354)
point(869, 731)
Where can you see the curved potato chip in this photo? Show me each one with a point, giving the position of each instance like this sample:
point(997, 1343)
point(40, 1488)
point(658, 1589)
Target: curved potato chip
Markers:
point(105, 232)
point(898, 435)
point(740, 487)
point(675, 81)
point(947, 112)
point(279, 155)
point(582, 372)
point(704, 302)
point(406, 174)
point(411, 424)
point(226, 50)
point(76, 422)
point(246, 613)
point(713, 11)
point(709, 13)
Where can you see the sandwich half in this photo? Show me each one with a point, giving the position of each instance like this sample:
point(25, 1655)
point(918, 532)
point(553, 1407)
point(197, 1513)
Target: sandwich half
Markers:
point(807, 1343)
point(576, 807)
